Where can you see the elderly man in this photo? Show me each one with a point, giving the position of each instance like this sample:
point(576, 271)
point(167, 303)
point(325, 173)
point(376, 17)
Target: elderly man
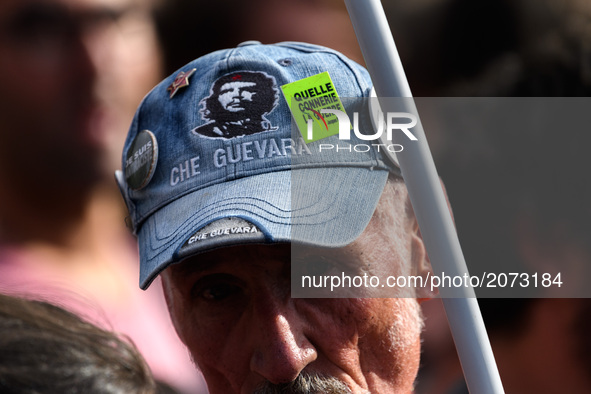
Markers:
point(234, 223)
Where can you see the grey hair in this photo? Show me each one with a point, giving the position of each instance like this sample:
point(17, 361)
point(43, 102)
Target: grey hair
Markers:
point(306, 383)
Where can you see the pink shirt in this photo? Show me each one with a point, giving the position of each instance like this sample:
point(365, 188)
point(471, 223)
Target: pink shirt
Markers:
point(141, 315)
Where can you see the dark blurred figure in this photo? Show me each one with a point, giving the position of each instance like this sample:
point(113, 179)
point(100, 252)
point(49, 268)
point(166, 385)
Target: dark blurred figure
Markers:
point(191, 29)
point(72, 73)
point(518, 48)
point(46, 349)
point(521, 199)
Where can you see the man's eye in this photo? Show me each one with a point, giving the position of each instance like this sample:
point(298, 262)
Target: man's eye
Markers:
point(219, 292)
point(216, 287)
point(316, 266)
point(321, 265)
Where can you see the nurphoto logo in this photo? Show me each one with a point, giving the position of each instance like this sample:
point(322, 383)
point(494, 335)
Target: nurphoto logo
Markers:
point(394, 121)
point(390, 126)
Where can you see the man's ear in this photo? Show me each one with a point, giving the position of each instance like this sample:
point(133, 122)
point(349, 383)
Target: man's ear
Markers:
point(421, 265)
point(421, 262)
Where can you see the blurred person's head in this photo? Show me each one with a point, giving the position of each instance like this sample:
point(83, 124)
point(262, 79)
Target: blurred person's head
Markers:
point(232, 222)
point(531, 175)
point(322, 22)
point(71, 74)
point(46, 349)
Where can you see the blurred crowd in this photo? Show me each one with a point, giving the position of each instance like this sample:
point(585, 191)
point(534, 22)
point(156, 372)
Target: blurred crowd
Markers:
point(72, 73)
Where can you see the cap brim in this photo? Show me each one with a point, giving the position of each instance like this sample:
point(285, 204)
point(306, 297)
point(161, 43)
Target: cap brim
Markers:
point(326, 207)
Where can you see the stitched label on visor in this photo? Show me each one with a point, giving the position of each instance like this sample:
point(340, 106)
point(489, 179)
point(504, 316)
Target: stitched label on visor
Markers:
point(306, 98)
point(223, 232)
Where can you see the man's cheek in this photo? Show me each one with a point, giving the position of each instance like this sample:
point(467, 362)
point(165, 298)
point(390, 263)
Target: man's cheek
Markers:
point(375, 318)
point(175, 312)
point(338, 319)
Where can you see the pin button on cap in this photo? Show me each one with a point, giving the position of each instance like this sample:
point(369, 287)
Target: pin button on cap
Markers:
point(250, 42)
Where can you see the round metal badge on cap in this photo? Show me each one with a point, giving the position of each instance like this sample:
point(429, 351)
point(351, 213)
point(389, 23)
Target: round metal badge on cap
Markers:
point(141, 160)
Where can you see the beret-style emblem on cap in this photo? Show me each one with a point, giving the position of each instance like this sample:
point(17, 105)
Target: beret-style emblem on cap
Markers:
point(237, 105)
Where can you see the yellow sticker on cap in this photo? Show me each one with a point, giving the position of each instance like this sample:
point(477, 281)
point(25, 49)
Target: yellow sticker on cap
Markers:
point(306, 98)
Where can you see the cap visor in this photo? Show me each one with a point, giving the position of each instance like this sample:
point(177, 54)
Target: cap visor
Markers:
point(325, 207)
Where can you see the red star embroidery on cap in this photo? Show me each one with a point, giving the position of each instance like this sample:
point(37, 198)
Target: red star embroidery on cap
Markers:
point(237, 77)
point(180, 81)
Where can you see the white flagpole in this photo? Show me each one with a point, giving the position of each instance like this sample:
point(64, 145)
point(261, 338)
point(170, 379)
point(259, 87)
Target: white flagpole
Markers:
point(429, 203)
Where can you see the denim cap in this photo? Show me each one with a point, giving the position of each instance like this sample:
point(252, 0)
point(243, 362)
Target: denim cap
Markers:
point(202, 170)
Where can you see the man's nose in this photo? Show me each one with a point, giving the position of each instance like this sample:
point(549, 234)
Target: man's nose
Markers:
point(94, 51)
point(83, 59)
point(282, 350)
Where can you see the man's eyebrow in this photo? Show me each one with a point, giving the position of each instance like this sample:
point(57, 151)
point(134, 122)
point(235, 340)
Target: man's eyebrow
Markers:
point(303, 251)
point(194, 264)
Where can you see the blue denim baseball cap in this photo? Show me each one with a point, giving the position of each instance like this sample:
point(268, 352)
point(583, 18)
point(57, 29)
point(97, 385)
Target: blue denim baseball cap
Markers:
point(214, 157)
